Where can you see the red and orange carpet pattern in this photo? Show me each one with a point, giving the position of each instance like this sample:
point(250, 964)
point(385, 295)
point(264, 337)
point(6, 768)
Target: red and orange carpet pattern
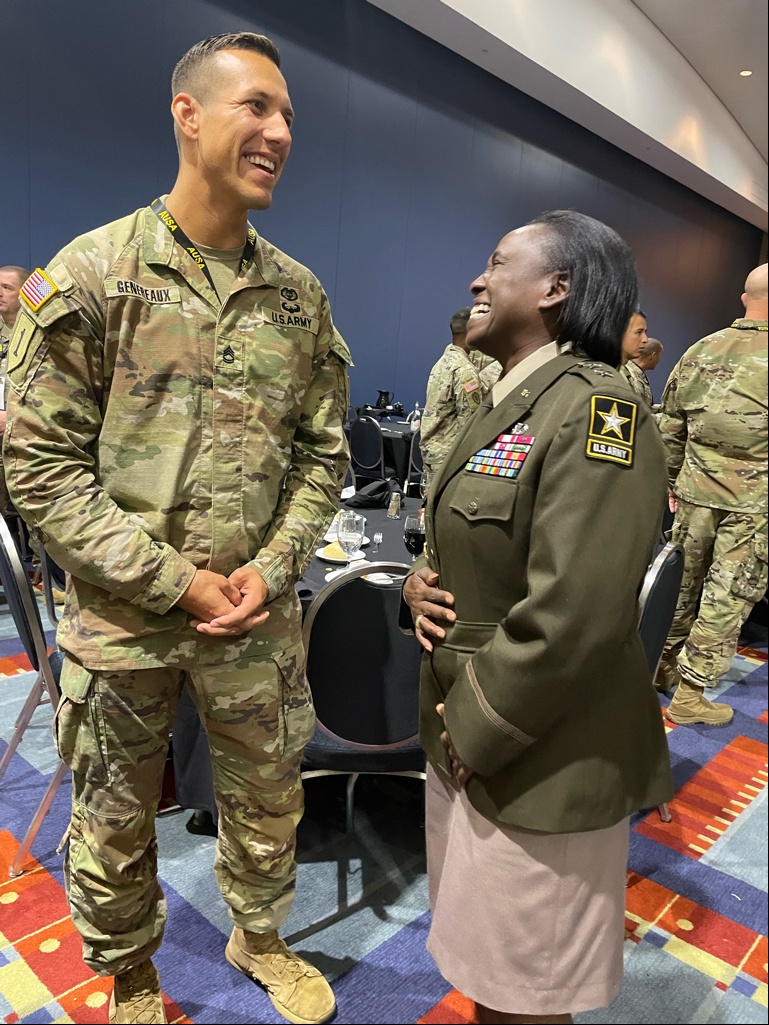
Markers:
point(696, 909)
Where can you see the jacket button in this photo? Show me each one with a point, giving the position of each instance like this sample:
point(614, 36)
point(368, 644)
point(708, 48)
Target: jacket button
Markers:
point(472, 507)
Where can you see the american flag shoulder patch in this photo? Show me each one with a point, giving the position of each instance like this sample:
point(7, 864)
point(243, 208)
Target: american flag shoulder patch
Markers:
point(37, 289)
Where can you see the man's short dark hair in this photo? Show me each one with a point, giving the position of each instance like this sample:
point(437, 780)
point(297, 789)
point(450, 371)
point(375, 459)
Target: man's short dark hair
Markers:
point(603, 291)
point(186, 77)
point(21, 272)
point(458, 322)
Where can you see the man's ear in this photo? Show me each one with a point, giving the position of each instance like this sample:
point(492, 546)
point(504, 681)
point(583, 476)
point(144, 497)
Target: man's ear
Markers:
point(185, 110)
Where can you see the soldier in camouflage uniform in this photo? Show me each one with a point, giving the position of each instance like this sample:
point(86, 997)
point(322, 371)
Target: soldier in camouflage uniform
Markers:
point(11, 280)
point(714, 425)
point(633, 342)
point(635, 370)
point(456, 385)
point(175, 438)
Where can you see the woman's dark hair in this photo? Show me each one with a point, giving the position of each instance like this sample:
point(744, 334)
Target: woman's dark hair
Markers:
point(603, 286)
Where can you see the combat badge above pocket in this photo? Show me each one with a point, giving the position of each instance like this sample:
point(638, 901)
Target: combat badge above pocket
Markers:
point(611, 430)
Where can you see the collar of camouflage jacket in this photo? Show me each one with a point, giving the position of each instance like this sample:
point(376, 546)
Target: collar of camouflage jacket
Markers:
point(160, 248)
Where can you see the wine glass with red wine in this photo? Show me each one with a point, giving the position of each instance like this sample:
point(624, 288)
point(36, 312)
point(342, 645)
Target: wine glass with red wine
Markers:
point(414, 535)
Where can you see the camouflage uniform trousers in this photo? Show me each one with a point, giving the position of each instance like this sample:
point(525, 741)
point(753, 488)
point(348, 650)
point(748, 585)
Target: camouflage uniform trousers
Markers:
point(725, 557)
point(112, 730)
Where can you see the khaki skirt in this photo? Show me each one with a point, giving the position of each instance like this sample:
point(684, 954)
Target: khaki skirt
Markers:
point(524, 922)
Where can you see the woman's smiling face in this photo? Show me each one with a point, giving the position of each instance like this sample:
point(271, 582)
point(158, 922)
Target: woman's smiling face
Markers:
point(512, 293)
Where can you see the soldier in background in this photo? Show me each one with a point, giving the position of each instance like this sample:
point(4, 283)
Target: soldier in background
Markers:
point(642, 365)
point(633, 342)
point(11, 280)
point(175, 437)
point(456, 385)
point(714, 425)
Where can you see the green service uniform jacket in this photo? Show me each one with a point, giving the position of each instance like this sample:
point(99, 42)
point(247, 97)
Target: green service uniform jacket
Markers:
point(547, 690)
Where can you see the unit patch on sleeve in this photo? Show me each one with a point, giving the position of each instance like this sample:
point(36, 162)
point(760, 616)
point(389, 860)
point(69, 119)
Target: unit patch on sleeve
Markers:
point(505, 459)
point(611, 429)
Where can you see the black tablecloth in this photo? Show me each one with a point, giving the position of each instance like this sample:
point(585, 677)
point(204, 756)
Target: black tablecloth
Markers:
point(392, 548)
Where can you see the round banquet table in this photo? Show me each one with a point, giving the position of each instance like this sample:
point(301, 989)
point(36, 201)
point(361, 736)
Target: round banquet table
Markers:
point(192, 766)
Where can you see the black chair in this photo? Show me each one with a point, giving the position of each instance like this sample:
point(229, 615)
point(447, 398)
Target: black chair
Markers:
point(364, 677)
point(26, 616)
point(656, 608)
point(367, 450)
point(416, 464)
point(53, 577)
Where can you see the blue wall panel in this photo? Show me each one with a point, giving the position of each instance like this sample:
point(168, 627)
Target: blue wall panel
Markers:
point(408, 165)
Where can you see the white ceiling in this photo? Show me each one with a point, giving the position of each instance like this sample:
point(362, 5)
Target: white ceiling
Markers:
point(657, 78)
point(721, 38)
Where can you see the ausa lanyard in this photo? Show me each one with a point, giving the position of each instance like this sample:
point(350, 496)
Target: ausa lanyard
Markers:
point(160, 210)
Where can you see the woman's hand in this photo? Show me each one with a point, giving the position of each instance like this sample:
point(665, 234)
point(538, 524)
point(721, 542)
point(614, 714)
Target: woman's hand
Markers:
point(429, 605)
point(459, 770)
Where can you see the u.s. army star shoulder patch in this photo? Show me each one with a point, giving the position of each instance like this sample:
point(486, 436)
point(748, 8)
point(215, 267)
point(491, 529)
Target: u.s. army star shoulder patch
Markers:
point(611, 429)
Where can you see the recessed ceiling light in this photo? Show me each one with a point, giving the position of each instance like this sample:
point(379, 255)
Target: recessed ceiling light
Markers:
point(746, 74)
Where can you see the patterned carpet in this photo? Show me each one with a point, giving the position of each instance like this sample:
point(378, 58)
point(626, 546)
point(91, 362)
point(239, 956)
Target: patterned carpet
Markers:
point(696, 947)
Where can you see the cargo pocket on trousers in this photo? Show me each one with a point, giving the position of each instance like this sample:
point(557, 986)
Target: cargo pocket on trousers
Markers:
point(78, 726)
point(750, 580)
point(296, 712)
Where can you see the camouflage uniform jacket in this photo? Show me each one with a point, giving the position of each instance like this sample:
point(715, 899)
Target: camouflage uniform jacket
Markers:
point(714, 420)
point(638, 381)
point(454, 390)
point(153, 430)
point(5, 337)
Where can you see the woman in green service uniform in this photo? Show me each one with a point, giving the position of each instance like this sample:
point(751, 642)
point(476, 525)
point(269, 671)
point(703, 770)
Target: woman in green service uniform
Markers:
point(541, 726)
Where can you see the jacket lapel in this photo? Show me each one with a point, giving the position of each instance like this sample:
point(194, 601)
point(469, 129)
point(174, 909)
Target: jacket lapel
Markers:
point(488, 423)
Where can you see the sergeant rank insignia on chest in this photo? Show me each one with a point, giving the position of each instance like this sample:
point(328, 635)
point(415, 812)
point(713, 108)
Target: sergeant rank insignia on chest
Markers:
point(505, 459)
point(611, 430)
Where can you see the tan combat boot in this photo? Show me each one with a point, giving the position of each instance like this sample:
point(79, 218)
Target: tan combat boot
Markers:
point(689, 706)
point(298, 991)
point(136, 998)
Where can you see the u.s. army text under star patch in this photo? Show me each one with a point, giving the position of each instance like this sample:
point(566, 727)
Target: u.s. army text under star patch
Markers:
point(611, 430)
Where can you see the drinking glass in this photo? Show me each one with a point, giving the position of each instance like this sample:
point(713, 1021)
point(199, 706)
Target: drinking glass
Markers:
point(349, 531)
point(424, 482)
point(414, 535)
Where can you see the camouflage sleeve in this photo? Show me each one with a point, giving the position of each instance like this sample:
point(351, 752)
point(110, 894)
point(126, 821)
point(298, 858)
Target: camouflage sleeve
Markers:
point(489, 376)
point(672, 425)
point(56, 383)
point(320, 458)
point(467, 389)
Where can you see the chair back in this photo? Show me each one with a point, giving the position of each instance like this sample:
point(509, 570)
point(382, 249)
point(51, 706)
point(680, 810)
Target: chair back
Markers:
point(416, 463)
point(367, 446)
point(362, 669)
point(24, 609)
point(657, 602)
